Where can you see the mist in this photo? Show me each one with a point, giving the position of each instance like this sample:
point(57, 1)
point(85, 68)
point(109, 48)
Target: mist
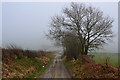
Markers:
point(26, 24)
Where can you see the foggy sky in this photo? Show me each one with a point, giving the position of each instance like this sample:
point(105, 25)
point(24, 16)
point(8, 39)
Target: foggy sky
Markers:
point(26, 23)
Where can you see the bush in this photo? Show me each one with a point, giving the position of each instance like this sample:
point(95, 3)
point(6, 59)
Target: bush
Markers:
point(13, 52)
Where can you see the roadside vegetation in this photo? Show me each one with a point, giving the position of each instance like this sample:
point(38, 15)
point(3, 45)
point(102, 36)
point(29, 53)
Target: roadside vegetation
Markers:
point(87, 68)
point(19, 63)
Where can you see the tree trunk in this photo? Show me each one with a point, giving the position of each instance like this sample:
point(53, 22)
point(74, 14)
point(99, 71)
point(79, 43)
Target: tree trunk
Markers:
point(86, 50)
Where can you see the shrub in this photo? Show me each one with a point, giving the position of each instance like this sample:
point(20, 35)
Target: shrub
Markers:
point(14, 52)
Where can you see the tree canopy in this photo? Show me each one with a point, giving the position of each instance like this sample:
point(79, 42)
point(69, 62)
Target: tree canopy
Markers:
point(81, 28)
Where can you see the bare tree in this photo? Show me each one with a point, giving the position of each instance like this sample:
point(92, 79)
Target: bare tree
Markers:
point(91, 28)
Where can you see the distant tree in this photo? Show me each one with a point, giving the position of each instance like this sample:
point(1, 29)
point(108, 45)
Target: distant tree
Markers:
point(70, 45)
point(91, 29)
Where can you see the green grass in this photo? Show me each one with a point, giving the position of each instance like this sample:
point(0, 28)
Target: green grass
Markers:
point(68, 64)
point(100, 58)
point(41, 69)
point(26, 63)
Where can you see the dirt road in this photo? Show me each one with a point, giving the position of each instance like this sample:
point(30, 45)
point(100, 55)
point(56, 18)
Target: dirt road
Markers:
point(56, 70)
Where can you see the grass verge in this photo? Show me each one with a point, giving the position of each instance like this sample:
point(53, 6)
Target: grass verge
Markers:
point(26, 67)
point(41, 70)
point(84, 69)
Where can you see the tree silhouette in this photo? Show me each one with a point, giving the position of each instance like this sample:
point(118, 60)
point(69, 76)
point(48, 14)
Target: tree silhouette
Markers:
point(88, 24)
